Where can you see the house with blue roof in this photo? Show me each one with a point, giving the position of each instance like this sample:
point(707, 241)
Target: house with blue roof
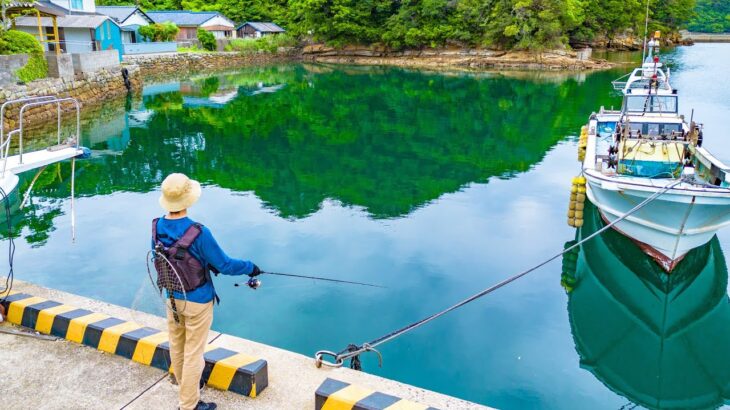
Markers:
point(189, 22)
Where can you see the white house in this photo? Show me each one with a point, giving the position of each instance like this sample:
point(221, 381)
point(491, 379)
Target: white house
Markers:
point(84, 6)
point(78, 33)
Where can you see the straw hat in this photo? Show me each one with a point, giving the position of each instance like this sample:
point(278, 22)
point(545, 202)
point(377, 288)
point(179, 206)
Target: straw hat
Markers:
point(179, 192)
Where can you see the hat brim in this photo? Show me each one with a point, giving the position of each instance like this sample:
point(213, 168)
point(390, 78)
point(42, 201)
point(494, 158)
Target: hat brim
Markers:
point(184, 202)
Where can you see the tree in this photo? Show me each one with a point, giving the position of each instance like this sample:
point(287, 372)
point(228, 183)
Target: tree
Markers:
point(340, 21)
point(534, 24)
point(207, 39)
point(609, 18)
point(671, 15)
point(711, 16)
point(159, 31)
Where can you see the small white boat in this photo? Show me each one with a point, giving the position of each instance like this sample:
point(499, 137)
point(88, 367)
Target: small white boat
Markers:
point(631, 154)
point(24, 160)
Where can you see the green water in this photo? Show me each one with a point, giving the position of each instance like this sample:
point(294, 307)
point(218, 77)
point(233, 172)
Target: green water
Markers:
point(435, 185)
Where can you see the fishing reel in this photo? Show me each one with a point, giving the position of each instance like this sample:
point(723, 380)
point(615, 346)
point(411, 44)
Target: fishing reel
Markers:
point(253, 283)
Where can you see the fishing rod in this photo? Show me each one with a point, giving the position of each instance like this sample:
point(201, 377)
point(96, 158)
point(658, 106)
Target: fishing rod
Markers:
point(254, 283)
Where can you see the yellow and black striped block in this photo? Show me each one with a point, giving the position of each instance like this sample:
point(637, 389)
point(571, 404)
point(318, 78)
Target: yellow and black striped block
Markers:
point(336, 395)
point(224, 369)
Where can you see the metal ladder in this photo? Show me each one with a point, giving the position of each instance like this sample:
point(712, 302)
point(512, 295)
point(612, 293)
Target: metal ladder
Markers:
point(30, 102)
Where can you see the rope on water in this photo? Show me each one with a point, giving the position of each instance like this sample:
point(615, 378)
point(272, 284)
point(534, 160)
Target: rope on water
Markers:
point(353, 352)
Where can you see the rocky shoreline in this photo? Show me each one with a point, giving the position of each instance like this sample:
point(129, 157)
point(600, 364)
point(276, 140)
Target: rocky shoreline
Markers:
point(469, 59)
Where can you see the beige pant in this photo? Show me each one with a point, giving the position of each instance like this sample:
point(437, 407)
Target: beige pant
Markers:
point(187, 346)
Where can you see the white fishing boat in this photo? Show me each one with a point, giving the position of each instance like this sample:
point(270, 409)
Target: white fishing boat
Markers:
point(23, 160)
point(648, 147)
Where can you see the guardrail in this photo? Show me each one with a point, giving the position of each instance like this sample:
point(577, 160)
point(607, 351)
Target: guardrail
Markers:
point(150, 48)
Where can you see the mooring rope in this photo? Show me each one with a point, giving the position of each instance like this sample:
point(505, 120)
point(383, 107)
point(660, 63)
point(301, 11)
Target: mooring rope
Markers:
point(353, 351)
point(5, 291)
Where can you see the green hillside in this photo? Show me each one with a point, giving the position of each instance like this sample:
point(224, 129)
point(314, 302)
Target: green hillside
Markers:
point(520, 24)
point(711, 16)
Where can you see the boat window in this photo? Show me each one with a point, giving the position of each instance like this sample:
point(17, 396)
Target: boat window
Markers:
point(636, 103)
point(662, 103)
point(606, 129)
point(669, 128)
point(655, 129)
point(652, 129)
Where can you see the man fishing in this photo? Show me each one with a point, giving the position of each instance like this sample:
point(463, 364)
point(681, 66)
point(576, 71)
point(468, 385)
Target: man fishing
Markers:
point(190, 249)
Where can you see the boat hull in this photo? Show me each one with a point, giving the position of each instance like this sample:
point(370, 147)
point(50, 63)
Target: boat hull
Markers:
point(667, 227)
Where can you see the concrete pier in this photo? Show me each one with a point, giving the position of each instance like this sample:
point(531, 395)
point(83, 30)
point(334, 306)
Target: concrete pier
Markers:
point(707, 37)
point(60, 374)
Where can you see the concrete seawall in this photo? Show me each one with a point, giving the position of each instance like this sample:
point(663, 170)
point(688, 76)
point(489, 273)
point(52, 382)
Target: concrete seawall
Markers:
point(62, 374)
point(707, 37)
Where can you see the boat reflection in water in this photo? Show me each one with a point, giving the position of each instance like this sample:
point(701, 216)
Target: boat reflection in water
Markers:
point(662, 341)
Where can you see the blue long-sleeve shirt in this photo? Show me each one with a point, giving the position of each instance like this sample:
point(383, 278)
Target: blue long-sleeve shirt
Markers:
point(206, 250)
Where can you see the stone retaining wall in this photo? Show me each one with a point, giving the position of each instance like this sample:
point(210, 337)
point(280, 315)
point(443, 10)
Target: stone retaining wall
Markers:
point(161, 65)
point(92, 88)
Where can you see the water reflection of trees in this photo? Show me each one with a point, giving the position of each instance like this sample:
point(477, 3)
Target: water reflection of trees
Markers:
point(387, 140)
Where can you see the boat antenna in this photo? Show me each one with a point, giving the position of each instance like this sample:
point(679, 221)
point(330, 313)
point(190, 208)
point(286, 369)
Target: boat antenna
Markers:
point(646, 32)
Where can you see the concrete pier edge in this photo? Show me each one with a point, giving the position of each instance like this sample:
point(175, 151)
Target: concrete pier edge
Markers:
point(292, 379)
point(224, 369)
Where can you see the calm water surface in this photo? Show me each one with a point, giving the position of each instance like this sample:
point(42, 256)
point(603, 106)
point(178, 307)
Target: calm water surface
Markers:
point(435, 185)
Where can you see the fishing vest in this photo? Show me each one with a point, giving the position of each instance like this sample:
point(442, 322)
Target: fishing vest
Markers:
point(192, 273)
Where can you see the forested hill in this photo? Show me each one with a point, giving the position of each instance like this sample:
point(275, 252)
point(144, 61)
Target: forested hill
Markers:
point(712, 16)
point(522, 24)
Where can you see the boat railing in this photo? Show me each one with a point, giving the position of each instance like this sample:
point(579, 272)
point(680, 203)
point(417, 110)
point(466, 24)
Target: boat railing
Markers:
point(620, 83)
point(27, 103)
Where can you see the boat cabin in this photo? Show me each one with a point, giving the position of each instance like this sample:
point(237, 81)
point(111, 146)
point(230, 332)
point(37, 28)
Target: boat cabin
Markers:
point(663, 104)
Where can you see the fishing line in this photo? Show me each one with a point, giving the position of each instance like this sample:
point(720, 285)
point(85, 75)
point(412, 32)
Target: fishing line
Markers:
point(251, 284)
point(353, 351)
